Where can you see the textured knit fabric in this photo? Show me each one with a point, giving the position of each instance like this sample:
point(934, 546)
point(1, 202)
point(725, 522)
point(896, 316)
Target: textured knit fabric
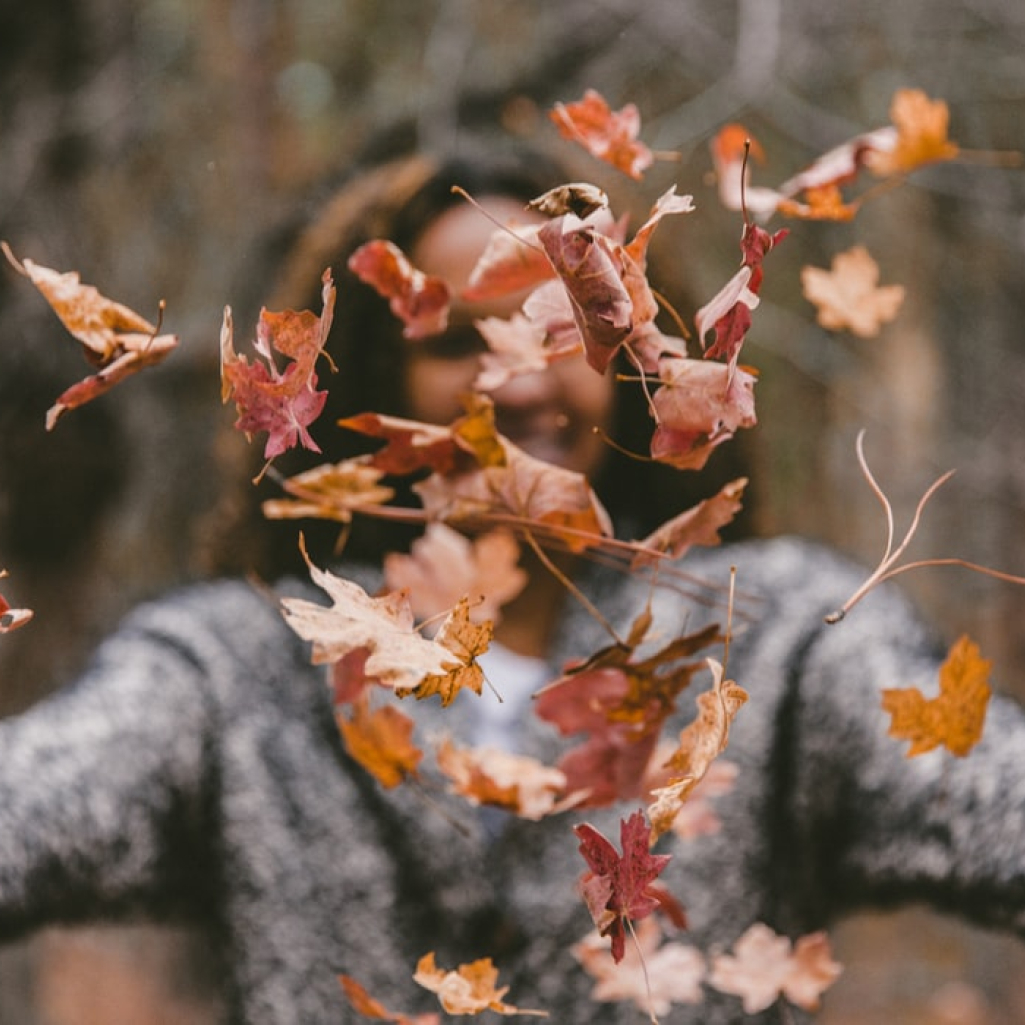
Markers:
point(195, 771)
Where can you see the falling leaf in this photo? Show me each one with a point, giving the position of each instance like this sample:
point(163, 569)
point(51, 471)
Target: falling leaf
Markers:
point(11, 619)
point(397, 655)
point(849, 296)
point(609, 135)
point(653, 976)
point(443, 566)
point(954, 718)
point(282, 403)
point(330, 492)
point(465, 641)
point(419, 300)
point(363, 1003)
point(699, 525)
point(380, 740)
point(618, 887)
point(763, 967)
point(579, 198)
point(114, 338)
point(700, 742)
point(517, 783)
point(921, 126)
point(469, 989)
point(512, 261)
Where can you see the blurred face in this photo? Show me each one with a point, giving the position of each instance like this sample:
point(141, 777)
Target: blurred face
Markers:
point(551, 414)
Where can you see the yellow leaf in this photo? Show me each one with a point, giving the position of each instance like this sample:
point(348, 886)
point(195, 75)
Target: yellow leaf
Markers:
point(955, 718)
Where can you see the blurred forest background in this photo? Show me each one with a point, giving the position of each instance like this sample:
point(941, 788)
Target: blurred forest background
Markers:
point(153, 145)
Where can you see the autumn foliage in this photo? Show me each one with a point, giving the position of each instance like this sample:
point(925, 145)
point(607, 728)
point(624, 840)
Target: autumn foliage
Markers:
point(482, 498)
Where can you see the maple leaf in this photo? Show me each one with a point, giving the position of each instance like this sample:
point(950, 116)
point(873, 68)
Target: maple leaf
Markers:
point(523, 492)
point(618, 886)
point(699, 525)
point(517, 783)
point(580, 198)
point(849, 295)
point(11, 619)
point(380, 741)
point(465, 641)
point(921, 136)
point(653, 976)
point(282, 403)
point(469, 989)
point(700, 742)
point(419, 300)
point(515, 346)
point(592, 270)
point(620, 701)
point(728, 313)
point(330, 492)
point(444, 566)
point(114, 338)
point(609, 135)
point(512, 261)
point(363, 1003)
point(956, 716)
point(764, 966)
point(699, 406)
point(397, 655)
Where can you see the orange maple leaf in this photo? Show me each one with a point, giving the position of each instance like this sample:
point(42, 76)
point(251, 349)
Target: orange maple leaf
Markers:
point(956, 716)
point(465, 640)
point(380, 742)
point(469, 989)
point(609, 135)
point(849, 296)
point(113, 337)
point(921, 126)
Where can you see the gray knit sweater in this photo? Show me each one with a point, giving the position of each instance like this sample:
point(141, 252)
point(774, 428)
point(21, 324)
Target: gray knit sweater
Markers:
point(195, 771)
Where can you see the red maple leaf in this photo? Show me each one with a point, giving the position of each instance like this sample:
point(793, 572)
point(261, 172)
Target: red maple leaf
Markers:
point(420, 301)
point(618, 886)
point(282, 403)
point(610, 135)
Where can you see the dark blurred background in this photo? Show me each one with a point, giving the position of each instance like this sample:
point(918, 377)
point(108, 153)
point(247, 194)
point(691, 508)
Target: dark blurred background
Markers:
point(152, 146)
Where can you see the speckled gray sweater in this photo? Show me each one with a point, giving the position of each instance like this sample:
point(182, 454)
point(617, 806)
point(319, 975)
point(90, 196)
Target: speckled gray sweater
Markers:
point(195, 770)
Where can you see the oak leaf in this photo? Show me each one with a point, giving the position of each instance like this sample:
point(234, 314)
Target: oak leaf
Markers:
point(765, 966)
point(954, 718)
point(114, 338)
point(849, 296)
point(618, 887)
point(700, 742)
point(380, 741)
point(419, 300)
point(488, 776)
point(469, 989)
point(363, 1003)
point(282, 403)
point(654, 976)
point(609, 135)
point(443, 566)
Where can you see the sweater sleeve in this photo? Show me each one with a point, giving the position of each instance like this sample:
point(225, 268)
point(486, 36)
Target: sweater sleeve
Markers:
point(102, 785)
point(858, 823)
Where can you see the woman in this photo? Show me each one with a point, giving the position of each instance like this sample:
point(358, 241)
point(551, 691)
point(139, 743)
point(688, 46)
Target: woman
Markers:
point(195, 769)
